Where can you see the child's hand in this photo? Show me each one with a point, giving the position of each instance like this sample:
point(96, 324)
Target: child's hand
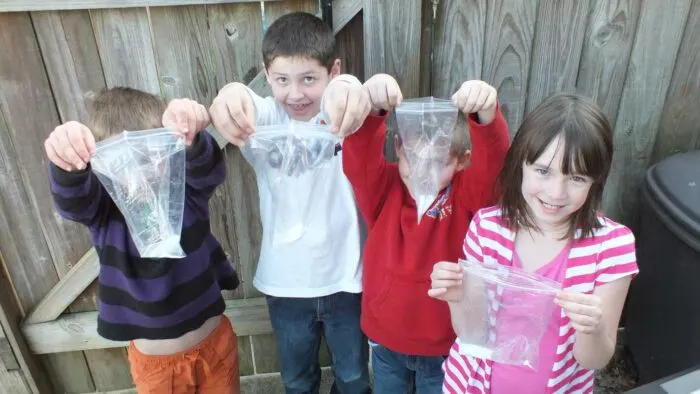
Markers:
point(584, 310)
point(233, 113)
point(477, 96)
point(346, 106)
point(384, 92)
point(70, 146)
point(446, 281)
point(187, 117)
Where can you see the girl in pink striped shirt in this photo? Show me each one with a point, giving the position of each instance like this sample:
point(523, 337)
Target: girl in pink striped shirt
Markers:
point(547, 222)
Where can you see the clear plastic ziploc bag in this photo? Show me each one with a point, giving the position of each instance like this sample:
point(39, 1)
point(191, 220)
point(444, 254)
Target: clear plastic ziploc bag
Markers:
point(504, 313)
point(291, 161)
point(426, 126)
point(144, 173)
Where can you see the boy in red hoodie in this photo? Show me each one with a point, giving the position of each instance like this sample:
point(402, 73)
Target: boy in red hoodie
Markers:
point(409, 332)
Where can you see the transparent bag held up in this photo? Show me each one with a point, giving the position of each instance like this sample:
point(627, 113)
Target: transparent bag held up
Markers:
point(291, 161)
point(426, 126)
point(144, 173)
point(504, 313)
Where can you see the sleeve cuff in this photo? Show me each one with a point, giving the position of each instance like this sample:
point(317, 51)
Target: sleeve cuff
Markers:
point(69, 178)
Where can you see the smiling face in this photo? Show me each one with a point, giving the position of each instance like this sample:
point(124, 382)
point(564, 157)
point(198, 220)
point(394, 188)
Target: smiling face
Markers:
point(298, 84)
point(553, 196)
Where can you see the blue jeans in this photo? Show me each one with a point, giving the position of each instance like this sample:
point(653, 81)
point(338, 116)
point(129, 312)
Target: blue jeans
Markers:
point(300, 323)
point(400, 373)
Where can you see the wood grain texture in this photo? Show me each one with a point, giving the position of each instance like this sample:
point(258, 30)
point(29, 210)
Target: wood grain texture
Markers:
point(186, 69)
point(611, 31)
point(392, 33)
point(110, 369)
point(71, 285)
point(31, 369)
point(458, 45)
point(71, 58)
point(510, 32)
point(78, 331)
point(124, 41)
point(561, 27)
point(679, 130)
point(659, 34)
point(349, 46)
point(53, 5)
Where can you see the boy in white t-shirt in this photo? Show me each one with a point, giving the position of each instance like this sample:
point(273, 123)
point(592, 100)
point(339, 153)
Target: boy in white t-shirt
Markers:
point(312, 286)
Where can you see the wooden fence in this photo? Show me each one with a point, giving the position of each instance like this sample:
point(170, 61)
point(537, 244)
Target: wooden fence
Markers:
point(640, 59)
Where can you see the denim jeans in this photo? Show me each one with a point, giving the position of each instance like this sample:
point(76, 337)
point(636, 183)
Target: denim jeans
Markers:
point(400, 373)
point(299, 325)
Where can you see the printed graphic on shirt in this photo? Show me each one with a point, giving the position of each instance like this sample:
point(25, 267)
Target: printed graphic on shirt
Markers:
point(441, 209)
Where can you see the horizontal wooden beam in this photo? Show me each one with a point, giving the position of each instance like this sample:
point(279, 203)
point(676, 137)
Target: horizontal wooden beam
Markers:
point(78, 331)
point(66, 290)
point(53, 5)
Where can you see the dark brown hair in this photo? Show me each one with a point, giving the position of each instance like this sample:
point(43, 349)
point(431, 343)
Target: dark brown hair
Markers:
point(588, 146)
point(114, 110)
point(299, 34)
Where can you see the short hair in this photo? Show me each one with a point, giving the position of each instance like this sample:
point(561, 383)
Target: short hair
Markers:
point(111, 111)
point(299, 34)
point(461, 142)
point(588, 148)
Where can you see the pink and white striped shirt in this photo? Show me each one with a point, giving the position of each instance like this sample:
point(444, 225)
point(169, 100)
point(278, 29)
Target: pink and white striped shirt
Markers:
point(607, 256)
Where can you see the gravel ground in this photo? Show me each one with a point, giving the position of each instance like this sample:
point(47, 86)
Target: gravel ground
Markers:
point(619, 375)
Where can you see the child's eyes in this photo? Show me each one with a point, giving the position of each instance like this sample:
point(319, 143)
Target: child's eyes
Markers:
point(309, 79)
point(579, 179)
point(282, 80)
point(541, 171)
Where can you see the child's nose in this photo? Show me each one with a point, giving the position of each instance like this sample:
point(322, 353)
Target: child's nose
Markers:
point(557, 190)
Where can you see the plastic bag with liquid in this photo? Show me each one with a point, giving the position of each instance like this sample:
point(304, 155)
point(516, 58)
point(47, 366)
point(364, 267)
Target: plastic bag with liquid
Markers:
point(426, 126)
point(293, 162)
point(144, 173)
point(504, 313)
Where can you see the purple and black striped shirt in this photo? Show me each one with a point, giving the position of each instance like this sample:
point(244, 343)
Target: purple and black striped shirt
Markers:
point(142, 298)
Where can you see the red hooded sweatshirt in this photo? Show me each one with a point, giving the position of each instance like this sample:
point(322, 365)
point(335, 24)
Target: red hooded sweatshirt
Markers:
point(399, 253)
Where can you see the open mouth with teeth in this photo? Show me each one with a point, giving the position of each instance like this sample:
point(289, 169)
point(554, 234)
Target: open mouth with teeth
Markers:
point(551, 206)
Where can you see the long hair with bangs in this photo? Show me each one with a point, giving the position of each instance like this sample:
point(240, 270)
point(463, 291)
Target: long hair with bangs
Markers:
point(588, 147)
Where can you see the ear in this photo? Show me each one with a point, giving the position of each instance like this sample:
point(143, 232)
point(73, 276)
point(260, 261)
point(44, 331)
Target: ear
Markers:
point(335, 69)
point(463, 162)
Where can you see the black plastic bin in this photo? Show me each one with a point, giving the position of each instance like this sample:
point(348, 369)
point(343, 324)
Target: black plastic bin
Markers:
point(662, 314)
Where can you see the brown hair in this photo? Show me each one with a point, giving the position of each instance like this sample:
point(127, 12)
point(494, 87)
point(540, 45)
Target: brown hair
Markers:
point(588, 146)
point(461, 142)
point(299, 34)
point(114, 110)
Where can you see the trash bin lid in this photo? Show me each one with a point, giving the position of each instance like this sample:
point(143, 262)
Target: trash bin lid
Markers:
point(674, 185)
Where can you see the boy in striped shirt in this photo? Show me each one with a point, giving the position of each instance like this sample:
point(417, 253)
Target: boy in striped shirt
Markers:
point(171, 310)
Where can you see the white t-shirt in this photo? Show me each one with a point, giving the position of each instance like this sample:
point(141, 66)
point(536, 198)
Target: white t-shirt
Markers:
point(326, 259)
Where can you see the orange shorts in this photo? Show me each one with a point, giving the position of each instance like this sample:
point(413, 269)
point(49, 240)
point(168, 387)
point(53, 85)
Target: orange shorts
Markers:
point(211, 366)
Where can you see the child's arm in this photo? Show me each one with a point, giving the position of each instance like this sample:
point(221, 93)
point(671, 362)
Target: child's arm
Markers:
point(363, 151)
point(488, 131)
point(596, 316)
point(77, 193)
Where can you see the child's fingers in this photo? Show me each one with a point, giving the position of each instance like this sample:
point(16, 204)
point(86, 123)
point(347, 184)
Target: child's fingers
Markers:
point(446, 283)
point(89, 140)
point(65, 150)
point(77, 142)
point(480, 100)
point(54, 157)
point(437, 292)
point(491, 99)
point(394, 95)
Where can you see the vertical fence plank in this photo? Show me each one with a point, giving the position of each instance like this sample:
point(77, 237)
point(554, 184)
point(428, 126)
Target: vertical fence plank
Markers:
point(561, 26)
point(680, 121)
point(606, 51)
point(71, 57)
point(510, 31)
point(349, 46)
point(659, 35)
point(185, 69)
point(124, 41)
point(36, 241)
point(458, 45)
